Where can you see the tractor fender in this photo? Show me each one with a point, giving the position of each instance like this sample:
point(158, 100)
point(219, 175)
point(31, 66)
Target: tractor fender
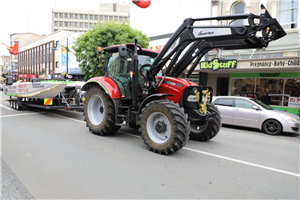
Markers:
point(106, 83)
point(149, 99)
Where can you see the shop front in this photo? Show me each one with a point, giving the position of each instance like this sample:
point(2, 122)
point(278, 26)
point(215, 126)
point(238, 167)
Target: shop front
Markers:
point(283, 88)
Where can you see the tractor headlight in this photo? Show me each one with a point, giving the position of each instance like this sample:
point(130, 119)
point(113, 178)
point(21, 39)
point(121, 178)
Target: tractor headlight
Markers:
point(191, 98)
point(291, 119)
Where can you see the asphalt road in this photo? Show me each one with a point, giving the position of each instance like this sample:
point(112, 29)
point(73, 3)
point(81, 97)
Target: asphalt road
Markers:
point(52, 155)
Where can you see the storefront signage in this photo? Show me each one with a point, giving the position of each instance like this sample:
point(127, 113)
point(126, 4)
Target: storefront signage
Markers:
point(275, 63)
point(27, 76)
point(269, 74)
point(294, 102)
point(217, 64)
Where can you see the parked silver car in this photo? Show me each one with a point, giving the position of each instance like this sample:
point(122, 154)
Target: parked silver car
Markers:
point(249, 112)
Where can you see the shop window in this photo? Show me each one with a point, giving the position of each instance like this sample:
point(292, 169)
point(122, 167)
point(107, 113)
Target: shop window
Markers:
point(274, 88)
point(254, 56)
point(242, 87)
point(231, 57)
point(292, 89)
point(288, 14)
point(239, 8)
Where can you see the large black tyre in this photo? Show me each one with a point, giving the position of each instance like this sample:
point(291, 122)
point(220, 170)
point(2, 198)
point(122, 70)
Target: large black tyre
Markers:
point(99, 112)
point(272, 127)
point(165, 127)
point(206, 130)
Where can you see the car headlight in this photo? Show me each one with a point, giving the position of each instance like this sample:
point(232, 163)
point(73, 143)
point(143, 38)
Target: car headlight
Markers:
point(292, 119)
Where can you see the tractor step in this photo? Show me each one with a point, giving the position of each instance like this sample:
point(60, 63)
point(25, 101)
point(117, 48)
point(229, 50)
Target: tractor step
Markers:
point(123, 106)
point(122, 116)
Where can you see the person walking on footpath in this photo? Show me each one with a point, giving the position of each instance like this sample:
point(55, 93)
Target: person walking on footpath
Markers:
point(265, 98)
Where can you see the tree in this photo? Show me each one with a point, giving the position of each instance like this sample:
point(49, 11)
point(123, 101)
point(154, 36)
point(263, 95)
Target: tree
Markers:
point(103, 35)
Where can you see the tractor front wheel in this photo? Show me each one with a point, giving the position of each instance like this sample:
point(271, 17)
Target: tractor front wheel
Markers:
point(99, 112)
point(204, 131)
point(165, 126)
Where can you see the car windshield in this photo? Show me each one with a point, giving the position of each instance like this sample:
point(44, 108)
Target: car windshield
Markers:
point(262, 104)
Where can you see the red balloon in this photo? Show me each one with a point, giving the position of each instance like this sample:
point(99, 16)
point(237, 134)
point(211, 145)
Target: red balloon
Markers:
point(142, 3)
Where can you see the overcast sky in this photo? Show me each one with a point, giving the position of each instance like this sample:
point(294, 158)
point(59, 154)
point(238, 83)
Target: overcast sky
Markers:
point(161, 17)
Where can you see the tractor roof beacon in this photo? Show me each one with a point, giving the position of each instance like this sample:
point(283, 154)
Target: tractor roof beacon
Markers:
point(168, 110)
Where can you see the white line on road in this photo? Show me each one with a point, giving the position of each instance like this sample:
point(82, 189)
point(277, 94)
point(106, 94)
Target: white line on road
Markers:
point(6, 107)
point(23, 114)
point(213, 155)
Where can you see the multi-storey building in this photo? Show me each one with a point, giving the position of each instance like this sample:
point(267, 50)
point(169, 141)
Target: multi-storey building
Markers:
point(82, 20)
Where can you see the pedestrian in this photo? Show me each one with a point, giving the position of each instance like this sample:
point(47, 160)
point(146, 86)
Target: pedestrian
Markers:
point(255, 96)
point(265, 98)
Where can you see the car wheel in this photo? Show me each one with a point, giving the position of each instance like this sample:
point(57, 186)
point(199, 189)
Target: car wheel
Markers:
point(272, 127)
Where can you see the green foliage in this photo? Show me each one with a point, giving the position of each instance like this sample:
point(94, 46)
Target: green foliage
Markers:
point(103, 35)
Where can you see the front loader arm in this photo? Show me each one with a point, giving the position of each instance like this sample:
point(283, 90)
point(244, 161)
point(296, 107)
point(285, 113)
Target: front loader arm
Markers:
point(205, 38)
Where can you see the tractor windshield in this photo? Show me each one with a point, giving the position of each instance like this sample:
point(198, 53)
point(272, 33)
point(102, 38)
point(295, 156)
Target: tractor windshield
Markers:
point(118, 69)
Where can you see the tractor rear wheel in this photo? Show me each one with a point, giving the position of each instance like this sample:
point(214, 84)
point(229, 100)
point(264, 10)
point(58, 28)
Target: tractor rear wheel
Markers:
point(165, 127)
point(204, 131)
point(99, 112)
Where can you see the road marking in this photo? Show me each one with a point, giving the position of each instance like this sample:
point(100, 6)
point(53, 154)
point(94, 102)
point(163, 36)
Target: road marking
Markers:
point(213, 155)
point(6, 107)
point(17, 115)
point(76, 120)
point(243, 162)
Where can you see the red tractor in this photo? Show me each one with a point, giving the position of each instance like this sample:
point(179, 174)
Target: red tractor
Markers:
point(169, 110)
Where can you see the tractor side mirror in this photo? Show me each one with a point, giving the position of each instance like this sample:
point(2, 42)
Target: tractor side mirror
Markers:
point(122, 50)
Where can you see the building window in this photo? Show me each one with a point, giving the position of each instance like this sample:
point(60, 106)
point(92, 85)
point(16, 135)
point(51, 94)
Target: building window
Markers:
point(239, 8)
point(106, 17)
point(101, 17)
point(61, 24)
point(288, 14)
point(85, 25)
point(81, 16)
point(111, 18)
point(66, 24)
point(66, 15)
point(55, 23)
point(96, 17)
point(76, 24)
point(121, 19)
point(81, 24)
point(115, 7)
point(86, 17)
point(91, 24)
point(71, 16)
point(61, 15)
point(125, 19)
point(71, 24)
point(76, 16)
point(55, 15)
point(91, 17)
point(56, 64)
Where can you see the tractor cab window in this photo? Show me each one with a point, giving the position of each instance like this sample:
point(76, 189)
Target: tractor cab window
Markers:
point(118, 66)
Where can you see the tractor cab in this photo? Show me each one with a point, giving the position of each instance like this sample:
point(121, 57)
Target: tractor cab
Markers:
point(118, 67)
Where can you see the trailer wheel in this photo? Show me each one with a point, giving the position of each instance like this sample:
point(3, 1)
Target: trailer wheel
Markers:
point(205, 131)
point(165, 126)
point(99, 112)
point(14, 104)
point(11, 102)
